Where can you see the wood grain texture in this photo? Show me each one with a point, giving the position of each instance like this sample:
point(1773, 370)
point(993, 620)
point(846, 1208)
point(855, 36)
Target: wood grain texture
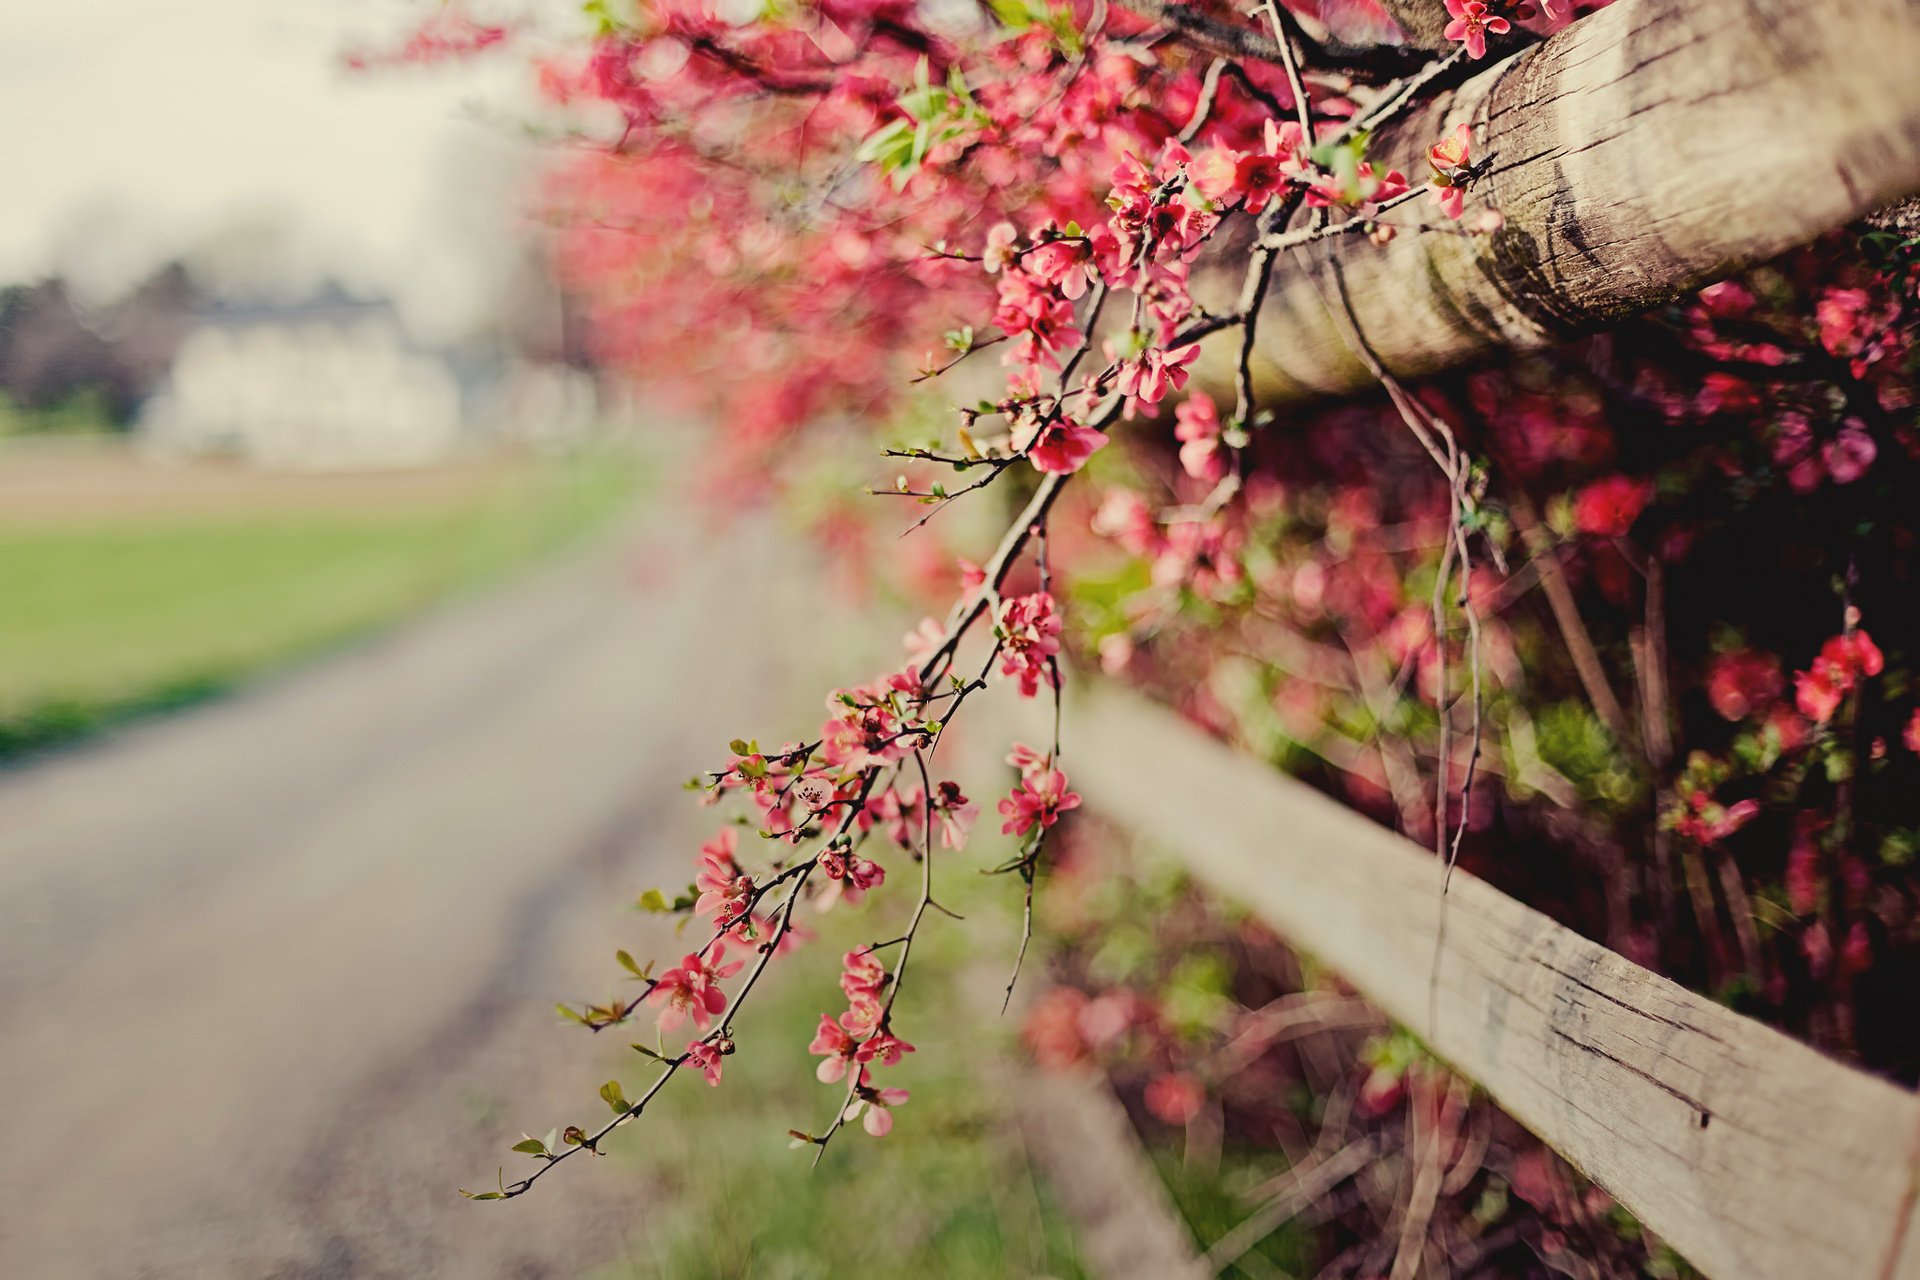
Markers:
point(1644, 151)
point(1755, 1156)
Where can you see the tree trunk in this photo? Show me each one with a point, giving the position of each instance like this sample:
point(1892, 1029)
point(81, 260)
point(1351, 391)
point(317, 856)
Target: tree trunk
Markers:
point(1643, 152)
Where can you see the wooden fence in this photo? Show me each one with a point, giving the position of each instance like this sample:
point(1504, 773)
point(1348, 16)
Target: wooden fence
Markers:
point(1753, 1155)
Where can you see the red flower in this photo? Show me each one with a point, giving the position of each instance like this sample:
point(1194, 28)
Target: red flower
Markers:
point(1607, 508)
point(1818, 691)
point(1743, 683)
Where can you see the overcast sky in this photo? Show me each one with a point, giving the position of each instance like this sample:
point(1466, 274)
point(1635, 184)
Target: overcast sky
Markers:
point(133, 129)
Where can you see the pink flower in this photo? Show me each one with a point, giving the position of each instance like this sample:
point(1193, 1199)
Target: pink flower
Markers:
point(1197, 427)
point(725, 890)
point(862, 973)
point(862, 980)
point(1850, 453)
point(1254, 177)
point(1150, 375)
point(1001, 240)
point(851, 874)
point(1029, 634)
point(1449, 158)
point(957, 815)
point(877, 1104)
point(1472, 24)
point(1040, 799)
point(1066, 265)
point(1708, 822)
point(705, 1058)
point(1060, 445)
point(692, 989)
point(1607, 508)
point(1126, 518)
point(1027, 760)
point(883, 1047)
point(924, 639)
point(832, 1040)
point(1176, 1097)
point(1911, 738)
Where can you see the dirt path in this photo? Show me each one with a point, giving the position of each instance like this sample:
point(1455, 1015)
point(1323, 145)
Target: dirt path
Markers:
point(276, 975)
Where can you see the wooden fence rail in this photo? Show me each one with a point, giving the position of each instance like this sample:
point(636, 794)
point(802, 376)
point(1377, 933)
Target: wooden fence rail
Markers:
point(1648, 149)
point(1755, 1156)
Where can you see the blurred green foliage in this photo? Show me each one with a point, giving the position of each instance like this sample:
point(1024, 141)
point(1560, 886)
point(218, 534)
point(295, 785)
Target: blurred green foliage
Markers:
point(128, 613)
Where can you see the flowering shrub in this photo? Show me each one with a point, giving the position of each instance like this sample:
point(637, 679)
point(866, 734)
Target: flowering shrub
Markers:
point(1426, 604)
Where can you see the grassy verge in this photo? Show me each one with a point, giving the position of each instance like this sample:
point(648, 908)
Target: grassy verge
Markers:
point(949, 1193)
point(115, 607)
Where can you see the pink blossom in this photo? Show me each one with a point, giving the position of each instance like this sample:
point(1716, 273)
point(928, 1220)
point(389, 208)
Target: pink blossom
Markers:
point(1253, 177)
point(1449, 158)
point(1125, 517)
point(1197, 427)
point(956, 813)
point(1041, 798)
point(1706, 821)
point(924, 639)
point(1911, 737)
point(705, 1058)
point(1028, 760)
point(1472, 24)
point(1001, 240)
point(833, 1041)
point(1059, 445)
point(1849, 453)
point(724, 889)
point(1029, 641)
point(884, 1048)
point(692, 989)
point(1062, 264)
point(851, 874)
point(877, 1104)
point(1149, 376)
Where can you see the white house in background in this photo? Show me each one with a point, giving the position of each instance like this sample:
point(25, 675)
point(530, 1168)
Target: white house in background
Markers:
point(328, 384)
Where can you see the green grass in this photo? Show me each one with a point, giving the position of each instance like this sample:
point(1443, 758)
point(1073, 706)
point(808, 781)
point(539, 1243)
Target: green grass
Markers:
point(109, 617)
point(949, 1193)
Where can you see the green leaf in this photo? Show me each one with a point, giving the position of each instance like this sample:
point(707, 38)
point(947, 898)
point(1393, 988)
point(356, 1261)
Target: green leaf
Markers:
point(627, 962)
point(653, 900)
point(739, 747)
point(610, 1092)
point(532, 1146)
